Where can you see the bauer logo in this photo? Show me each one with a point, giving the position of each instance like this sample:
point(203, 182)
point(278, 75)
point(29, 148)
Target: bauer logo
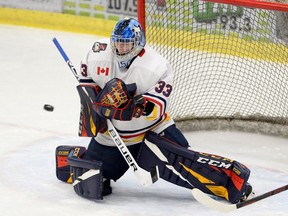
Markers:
point(121, 147)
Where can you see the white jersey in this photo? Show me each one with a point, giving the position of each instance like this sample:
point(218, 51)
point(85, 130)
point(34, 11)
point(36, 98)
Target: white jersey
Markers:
point(153, 76)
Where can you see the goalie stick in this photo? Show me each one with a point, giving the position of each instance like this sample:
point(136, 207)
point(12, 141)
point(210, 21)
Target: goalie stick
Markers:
point(209, 202)
point(146, 178)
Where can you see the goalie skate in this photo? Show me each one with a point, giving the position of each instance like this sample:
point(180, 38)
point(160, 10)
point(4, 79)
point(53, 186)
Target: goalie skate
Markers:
point(249, 194)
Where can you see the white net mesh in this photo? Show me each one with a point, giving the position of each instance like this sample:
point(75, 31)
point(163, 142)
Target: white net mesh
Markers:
point(230, 63)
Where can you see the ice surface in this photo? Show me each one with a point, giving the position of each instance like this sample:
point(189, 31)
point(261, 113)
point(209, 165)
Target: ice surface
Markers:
point(33, 73)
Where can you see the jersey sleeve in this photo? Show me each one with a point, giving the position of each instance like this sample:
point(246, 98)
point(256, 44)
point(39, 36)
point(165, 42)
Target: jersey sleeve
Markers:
point(160, 94)
point(85, 77)
point(97, 62)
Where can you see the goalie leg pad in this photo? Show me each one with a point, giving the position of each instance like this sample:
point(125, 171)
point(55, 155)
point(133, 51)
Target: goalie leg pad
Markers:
point(151, 156)
point(86, 175)
point(212, 174)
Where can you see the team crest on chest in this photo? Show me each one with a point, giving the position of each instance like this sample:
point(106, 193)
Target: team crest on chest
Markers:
point(97, 47)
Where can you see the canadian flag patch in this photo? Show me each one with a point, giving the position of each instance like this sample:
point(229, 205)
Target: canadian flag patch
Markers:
point(103, 70)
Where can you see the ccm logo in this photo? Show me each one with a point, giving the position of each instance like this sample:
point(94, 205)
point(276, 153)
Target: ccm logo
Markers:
point(215, 163)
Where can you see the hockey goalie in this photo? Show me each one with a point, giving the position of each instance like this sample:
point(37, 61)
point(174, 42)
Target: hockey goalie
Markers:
point(129, 83)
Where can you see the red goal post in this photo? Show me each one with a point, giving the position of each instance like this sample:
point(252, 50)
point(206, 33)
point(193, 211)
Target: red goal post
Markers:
point(277, 6)
point(230, 59)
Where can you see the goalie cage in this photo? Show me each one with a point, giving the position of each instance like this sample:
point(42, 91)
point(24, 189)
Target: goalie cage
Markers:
point(230, 61)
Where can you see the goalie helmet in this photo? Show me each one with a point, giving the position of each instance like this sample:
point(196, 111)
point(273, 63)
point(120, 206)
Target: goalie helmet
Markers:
point(127, 41)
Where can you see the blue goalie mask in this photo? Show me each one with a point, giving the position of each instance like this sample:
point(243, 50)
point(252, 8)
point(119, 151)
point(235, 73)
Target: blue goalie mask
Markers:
point(127, 41)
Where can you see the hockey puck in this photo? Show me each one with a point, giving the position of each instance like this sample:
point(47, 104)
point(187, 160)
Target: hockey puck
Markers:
point(48, 107)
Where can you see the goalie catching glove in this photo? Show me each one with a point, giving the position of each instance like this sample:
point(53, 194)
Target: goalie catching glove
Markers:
point(116, 101)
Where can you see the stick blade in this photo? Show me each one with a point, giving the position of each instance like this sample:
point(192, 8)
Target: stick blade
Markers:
point(155, 174)
point(209, 202)
point(147, 178)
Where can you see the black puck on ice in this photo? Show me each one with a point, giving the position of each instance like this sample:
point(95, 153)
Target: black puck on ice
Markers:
point(48, 107)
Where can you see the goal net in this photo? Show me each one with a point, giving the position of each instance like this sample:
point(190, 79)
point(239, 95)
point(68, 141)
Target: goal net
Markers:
point(230, 61)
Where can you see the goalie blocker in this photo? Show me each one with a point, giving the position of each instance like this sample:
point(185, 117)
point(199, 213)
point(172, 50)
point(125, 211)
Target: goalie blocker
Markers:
point(211, 174)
